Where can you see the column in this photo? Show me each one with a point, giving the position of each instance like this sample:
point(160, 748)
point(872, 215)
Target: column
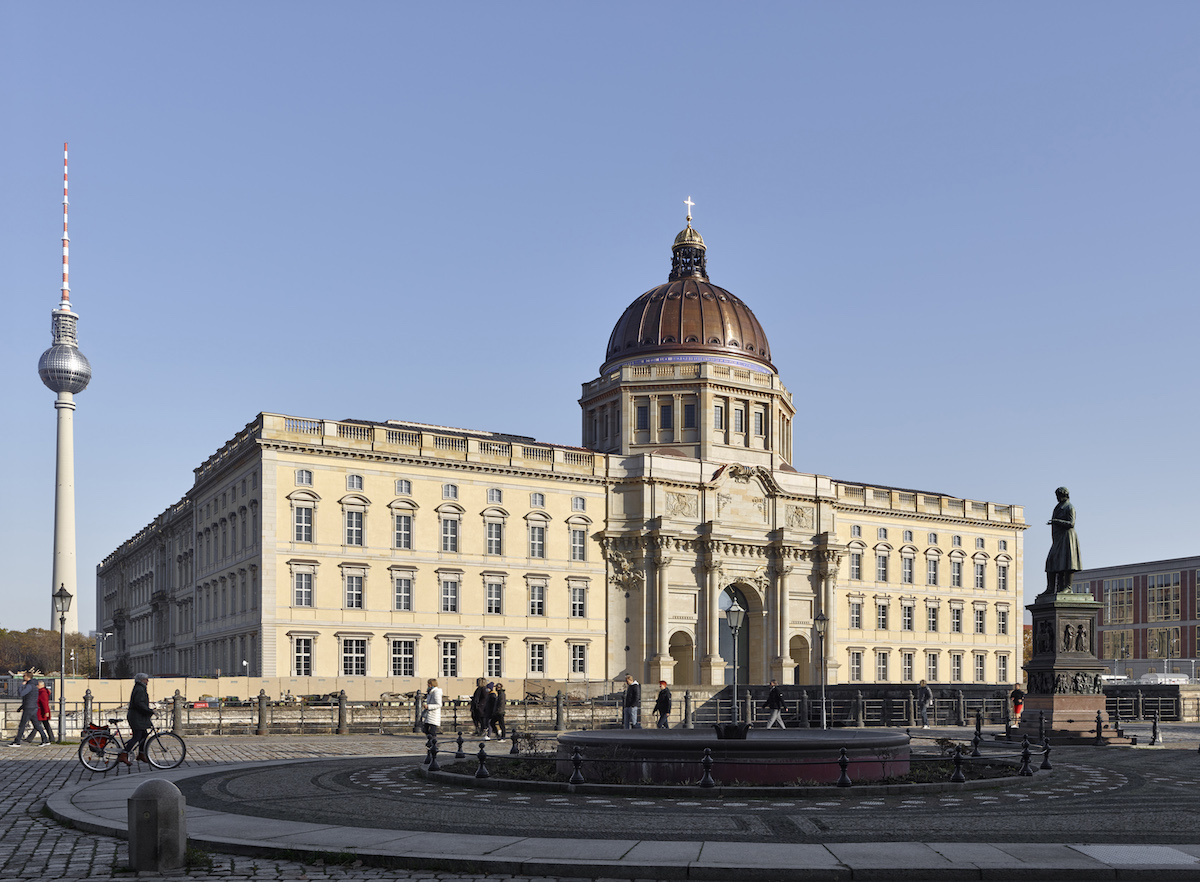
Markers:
point(781, 602)
point(712, 666)
point(829, 562)
point(662, 665)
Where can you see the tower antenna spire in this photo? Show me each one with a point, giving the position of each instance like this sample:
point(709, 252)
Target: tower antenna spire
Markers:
point(65, 304)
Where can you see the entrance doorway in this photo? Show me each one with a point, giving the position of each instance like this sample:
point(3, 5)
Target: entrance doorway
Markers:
point(683, 653)
point(725, 636)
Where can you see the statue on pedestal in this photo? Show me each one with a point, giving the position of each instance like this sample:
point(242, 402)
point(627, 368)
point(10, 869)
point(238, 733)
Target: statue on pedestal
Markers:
point(1063, 560)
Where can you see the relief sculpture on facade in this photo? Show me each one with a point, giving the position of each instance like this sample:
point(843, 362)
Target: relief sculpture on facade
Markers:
point(623, 572)
point(685, 505)
point(799, 517)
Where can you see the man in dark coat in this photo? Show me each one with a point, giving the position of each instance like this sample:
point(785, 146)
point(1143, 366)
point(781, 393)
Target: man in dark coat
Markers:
point(139, 715)
point(662, 705)
point(631, 706)
point(775, 706)
point(28, 693)
point(1063, 561)
point(477, 701)
point(487, 710)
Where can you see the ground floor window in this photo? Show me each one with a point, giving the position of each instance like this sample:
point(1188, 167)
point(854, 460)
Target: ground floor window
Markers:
point(404, 658)
point(354, 657)
point(495, 659)
point(302, 657)
point(450, 658)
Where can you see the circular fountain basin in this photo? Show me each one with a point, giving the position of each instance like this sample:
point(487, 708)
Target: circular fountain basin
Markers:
point(765, 756)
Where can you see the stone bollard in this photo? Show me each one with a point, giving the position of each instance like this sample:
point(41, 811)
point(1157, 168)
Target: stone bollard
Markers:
point(912, 708)
point(804, 709)
point(343, 726)
point(961, 708)
point(688, 722)
point(860, 711)
point(560, 724)
point(417, 711)
point(748, 714)
point(177, 713)
point(1139, 707)
point(87, 707)
point(157, 830)
point(262, 713)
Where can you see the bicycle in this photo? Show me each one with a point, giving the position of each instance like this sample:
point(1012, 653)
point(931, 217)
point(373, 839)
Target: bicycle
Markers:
point(99, 748)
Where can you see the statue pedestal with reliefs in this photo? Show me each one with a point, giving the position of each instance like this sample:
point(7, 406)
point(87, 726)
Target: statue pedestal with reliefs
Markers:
point(1063, 675)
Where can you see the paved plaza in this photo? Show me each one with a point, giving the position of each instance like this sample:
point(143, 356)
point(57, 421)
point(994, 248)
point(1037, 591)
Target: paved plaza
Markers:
point(313, 807)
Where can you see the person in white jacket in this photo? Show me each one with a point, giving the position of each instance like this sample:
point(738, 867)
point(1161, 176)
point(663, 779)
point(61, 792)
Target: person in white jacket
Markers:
point(433, 709)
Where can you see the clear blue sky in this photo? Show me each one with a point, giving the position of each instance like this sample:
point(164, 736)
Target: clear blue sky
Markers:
point(968, 229)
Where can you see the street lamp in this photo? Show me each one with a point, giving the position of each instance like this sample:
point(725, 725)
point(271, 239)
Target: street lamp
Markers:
point(821, 623)
point(100, 638)
point(62, 603)
point(735, 615)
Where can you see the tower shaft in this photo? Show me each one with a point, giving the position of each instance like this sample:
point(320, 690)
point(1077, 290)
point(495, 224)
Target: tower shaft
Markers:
point(64, 512)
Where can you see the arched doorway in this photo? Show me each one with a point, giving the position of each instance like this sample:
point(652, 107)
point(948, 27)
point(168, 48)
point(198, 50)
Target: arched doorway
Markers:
point(683, 653)
point(798, 651)
point(725, 636)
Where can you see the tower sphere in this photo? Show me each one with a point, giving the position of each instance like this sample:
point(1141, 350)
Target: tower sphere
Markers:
point(63, 368)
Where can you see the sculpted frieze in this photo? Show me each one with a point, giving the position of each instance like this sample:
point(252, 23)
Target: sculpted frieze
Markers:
point(799, 517)
point(686, 505)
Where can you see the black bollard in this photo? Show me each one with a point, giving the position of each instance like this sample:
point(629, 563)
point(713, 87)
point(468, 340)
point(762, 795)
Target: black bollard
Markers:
point(428, 748)
point(803, 723)
point(979, 723)
point(482, 771)
point(1007, 723)
point(843, 761)
point(515, 750)
point(577, 763)
point(958, 777)
point(433, 752)
point(1045, 766)
point(460, 754)
point(975, 745)
point(1041, 725)
point(560, 724)
point(1025, 769)
point(960, 708)
point(706, 780)
point(1099, 742)
point(1155, 735)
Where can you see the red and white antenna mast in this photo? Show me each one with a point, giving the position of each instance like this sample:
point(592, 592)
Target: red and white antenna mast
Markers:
point(65, 304)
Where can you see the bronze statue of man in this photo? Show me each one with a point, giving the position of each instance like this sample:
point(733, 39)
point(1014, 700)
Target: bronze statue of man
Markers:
point(1063, 560)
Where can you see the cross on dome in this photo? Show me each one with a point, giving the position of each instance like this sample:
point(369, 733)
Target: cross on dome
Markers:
point(689, 203)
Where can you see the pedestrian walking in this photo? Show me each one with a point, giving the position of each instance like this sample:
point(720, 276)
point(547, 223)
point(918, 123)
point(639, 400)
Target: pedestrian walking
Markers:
point(139, 714)
point(775, 706)
point(43, 713)
point(924, 702)
point(477, 700)
point(489, 710)
point(631, 706)
point(1018, 701)
point(662, 705)
point(433, 708)
point(498, 713)
point(28, 693)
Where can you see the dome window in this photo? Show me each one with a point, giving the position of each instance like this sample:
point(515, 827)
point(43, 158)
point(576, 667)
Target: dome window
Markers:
point(670, 340)
point(716, 340)
point(692, 339)
point(733, 342)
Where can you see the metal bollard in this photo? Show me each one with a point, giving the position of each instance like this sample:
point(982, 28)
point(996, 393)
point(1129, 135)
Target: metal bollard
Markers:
point(559, 722)
point(958, 777)
point(576, 766)
point(177, 713)
point(860, 712)
point(433, 752)
point(1155, 734)
point(804, 709)
point(688, 722)
point(459, 754)
point(417, 711)
point(87, 707)
point(1045, 766)
point(979, 723)
point(515, 750)
point(1099, 730)
point(1025, 770)
point(843, 761)
point(157, 828)
point(706, 780)
point(1041, 726)
point(262, 713)
point(482, 771)
point(343, 728)
point(975, 745)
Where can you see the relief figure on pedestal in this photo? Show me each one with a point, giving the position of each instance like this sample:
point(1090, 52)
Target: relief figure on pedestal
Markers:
point(1068, 638)
point(1081, 638)
point(1063, 561)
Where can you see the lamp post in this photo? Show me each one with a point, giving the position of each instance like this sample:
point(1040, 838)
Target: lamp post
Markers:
point(100, 638)
point(735, 615)
point(821, 622)
point(62, 603)
point(72, 664)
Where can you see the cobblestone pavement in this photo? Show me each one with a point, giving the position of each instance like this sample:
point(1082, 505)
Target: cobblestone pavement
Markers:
point(36, 847)
point(1159, 791)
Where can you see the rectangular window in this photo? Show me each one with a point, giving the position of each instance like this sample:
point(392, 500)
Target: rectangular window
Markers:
point(719, 417)
point(758, 422)
point(495, 598)
point(578, 602)
point(495, 538)
point(881, 616)
point(1001, 577)
point(354, 528)
point(931, 667)
point(956, 620)
point(906, 618)
point(354, 657)
point(956, 574)
point(404, 531)
point(537, 599)
point(304, 589)
point(450, 534)
point(856, 674)
point(739, 420)
point(1118, 601)
point(1163, 598)
point(537, 658)
point(980, 621)
point(302, 657)
point(495, 495)
point(956, 671)
point(881, 567)
point(855, 614)
point(980, 667)
point(495, 659)
point(881, 667)
point(1163, 643)
point(643, 417)
point(979, 575)
point(931, 571)
point(304, 524)
point(906, 666)
point(666, 416)
point(450, 658)
point(578, 658)
point(1002, 627)
point(855, 565)
point(537, 541)
point(354, 592)
point(404, 658)
point(404, 597)
point(1002, 669)
point(449, 595)
point(689, 416)
point(906, 570)
point(579, 545)
point(578, 503)
point(931, 618)
point(1116, 644)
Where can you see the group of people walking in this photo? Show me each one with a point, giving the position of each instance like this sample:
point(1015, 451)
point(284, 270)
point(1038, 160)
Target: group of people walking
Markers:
point(488, 705)
point(35, 709)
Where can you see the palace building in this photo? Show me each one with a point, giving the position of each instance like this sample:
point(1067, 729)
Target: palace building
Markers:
point(308, 547)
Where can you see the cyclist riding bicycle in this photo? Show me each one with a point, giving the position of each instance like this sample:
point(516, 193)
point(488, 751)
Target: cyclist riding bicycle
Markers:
point(139, 716)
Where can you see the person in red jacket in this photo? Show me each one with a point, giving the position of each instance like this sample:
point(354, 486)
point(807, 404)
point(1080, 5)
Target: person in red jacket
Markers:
point(43, 712)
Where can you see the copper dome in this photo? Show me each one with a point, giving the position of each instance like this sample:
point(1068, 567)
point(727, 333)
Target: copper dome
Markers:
point(688, 314)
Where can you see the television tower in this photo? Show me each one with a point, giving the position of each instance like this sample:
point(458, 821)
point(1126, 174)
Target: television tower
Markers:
point(64, 370)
